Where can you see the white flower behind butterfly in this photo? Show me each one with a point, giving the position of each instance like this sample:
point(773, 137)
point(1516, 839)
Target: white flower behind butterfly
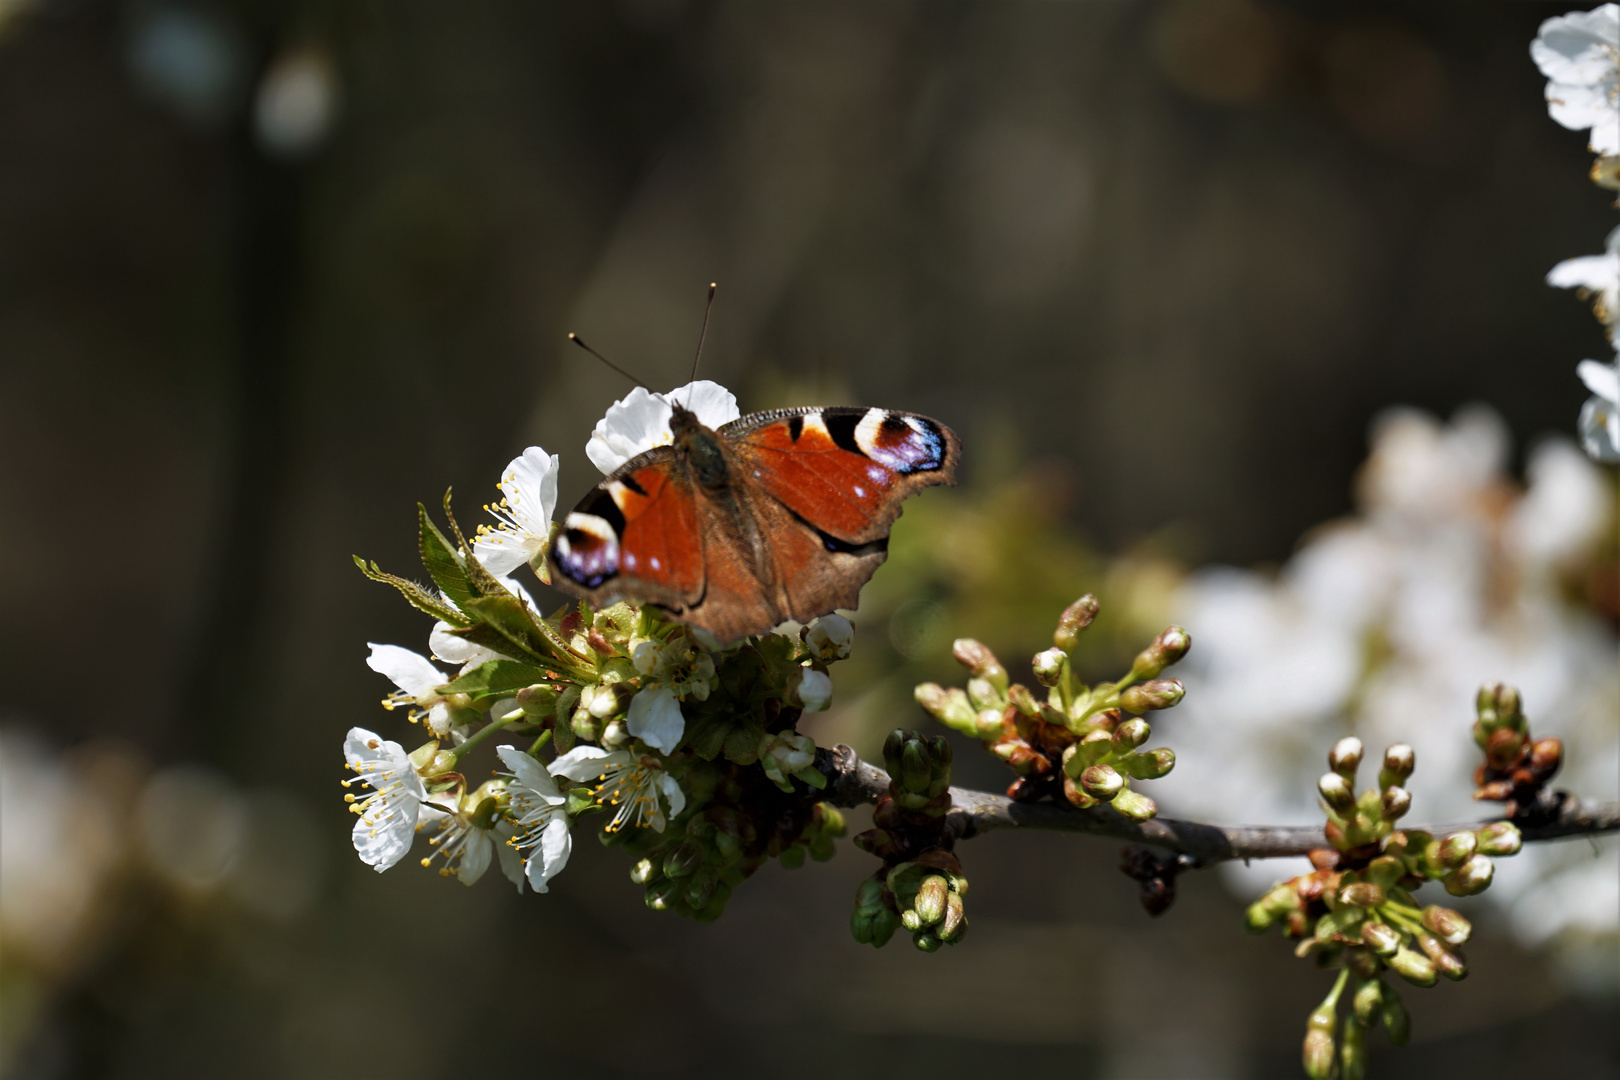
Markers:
point(529, 495)
point(1600, 416)
point(640, 420)
point(1580, 55)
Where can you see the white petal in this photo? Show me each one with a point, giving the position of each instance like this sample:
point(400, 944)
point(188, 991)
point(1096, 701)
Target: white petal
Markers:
point(714, 405)
point(551, 856)
point(363, 745)
point(511, 862)
point(672, 791)
point(1589, 271)
point(411, 671)
point(815, 690)
point(655, 718)
point(530, 486)
point(500, 552)
point(588, 762)
point(384, 843)
point(529, 772)
point(455, 649)
point(475, 855)
point(438, 720)
point(1602, 379)
point(634, 424)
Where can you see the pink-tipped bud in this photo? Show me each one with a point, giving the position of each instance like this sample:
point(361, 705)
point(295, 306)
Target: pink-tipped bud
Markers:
point(1395, 803)
point(979, 660)
point(1398, 764)
point(1073, 622)
point(1500, 838)
point(1362, 894)
point(1131, 734)
point(1449, 926)
point(1345, 757)
point(1471, 878)
point(1382, 939)
point(1102, 782)
point(1456, 849)
point(1414, 967)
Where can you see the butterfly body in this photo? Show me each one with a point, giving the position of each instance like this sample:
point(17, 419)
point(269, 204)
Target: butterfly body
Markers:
point(775, 516)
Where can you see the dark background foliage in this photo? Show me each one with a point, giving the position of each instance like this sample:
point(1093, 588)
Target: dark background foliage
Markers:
point(1178, 252)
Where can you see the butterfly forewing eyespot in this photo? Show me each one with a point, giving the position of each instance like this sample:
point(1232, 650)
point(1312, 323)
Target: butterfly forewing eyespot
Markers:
point(906, 444)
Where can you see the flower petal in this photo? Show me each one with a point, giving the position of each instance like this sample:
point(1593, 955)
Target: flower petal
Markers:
point(1602, 379)
point(511, 862)
point(410, 671)
point(672, 791)
point(383, 843)
point(655, 718)
point(588, 762)
point(500, 552)
point(714, 405)
point(529, 772)
point(454, 649)
point(551, 856)
point(634, 424)
point(530, 487)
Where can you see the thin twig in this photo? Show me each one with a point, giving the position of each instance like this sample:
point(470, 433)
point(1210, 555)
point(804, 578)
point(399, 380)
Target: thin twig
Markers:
point(852, 782)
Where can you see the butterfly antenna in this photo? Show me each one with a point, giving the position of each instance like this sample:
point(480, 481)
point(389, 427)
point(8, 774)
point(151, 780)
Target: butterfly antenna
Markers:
point(703, 333)
point(577, 340)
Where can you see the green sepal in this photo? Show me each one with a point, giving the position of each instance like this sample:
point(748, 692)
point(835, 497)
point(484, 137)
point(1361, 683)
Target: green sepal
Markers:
point(509, 617)
point(495, 678)
point(581, 803)
point(418, 597)
point(443, 565)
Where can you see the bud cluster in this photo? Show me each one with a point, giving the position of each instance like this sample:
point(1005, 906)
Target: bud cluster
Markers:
point(1355, 909)
point(1078, 743)
point(1516, 767)
point(920, 885)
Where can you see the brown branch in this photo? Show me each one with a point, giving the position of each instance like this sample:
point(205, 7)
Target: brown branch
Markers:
point(852, 782)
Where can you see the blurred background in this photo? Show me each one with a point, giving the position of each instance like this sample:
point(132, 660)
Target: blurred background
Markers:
point(270, 273)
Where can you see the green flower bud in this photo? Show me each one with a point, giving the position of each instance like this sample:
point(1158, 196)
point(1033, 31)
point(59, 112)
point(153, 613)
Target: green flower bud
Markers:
point(1319, 1048)
point(926, 942)
point(1021, 699)
point(980, 661)
point(1150, 765)
point(954, 924)
point(1414, 967)
point(1345, 757)
point(982, 694)
point(792, 857)
point(1398, 764)
point(1500, 838)
point(1049, 666)
point(1397, 1023)
point(1362, 894)
point(1170, 646)
point(1381, 938)
point(1134, 806)
point(1353, 1050)
point(950, 707)
point(1446, 962)
point(1456, 849)
point(537, 700)
point(892, 746)
point(1131, 734)
point(1447, 925)
point(1102, 782)
point(914, 767)
point(930, 902)
point(661, 895)
point(987, 724)
point(1499, 702)
point(1385, 871)
point(1368, 1000)
point(585, 725)
point(1394, 804)
point(911, 920)
point(1149, 696)
point(1074, 620)
point(683, 860)
point(701, 887)
point(1471, 878)
point(644, 871)
point(1337, 793)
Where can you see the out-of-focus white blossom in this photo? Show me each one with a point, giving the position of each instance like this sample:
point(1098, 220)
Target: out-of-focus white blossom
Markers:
point(1600, 416)
point(1386, 624)
point(1599, 275)
point(814, 690)
point(1580, 55)
point(640, 420)
point(528, 498)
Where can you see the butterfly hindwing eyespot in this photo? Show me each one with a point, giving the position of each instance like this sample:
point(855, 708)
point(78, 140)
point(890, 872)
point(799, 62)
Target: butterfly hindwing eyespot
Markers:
point(587, 549)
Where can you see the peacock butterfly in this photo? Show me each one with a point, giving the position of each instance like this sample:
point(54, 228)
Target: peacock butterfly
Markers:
point(776, 515)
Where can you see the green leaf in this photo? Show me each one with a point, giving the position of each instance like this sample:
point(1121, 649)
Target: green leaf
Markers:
point(812, 776)
point(507, 615)
point(443, 565)
point(496, 678)
point(418, 597)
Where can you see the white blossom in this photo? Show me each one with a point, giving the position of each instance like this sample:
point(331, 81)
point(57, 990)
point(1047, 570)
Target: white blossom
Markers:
point(1599, 275)
point(635, 784)
point(418, 681)
point(538, 817)
point(1580, 55)
point(465, 846)
point(814, 690)
point(784, 754)
point(388, 816)
point(829, 637)
point(528, 498)
point(640, 420)
point(1600, 416)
